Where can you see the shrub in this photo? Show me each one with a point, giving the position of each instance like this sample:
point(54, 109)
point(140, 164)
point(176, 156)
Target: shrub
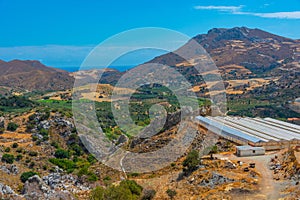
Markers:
point(14, 145)
point(133, 174)
point(60, 153)
point(171, 193)
point(90, 175)
point(127, 189)
point(65, 164)
point(91, 158)
point(29, 127)
point(43, 132)
point(33, 153)
point(132, 186)
point(45, 137)
point(38, 142)
point(45, 116)
point(31, 165)
point(192, 160)
point(148, 194)
point(34, 138)
point(8, 158)
point(19, 150)
point(26, 175)
point(7, 149)
point(32, 117)
point(77, 149)
point(98, 193)
point(214, 149)
point(73, 139)
point(54, 144)
point(19, 157)
point(2, 130)
point(107, 178)
point(12, 126)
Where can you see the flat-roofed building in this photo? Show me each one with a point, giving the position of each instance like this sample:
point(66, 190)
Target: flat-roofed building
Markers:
point(249, 151)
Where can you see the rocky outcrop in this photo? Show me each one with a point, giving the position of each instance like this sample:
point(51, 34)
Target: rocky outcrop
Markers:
point(57, 181)
point(214, 180)
point(10, 169)
point(5, 189)
point(61, 125)
point(35, 189)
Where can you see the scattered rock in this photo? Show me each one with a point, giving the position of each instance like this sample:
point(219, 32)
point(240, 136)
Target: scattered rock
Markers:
point(10, 169)
point(35, 188)
point(230, 165)
point(5, 189)
point(214, 180)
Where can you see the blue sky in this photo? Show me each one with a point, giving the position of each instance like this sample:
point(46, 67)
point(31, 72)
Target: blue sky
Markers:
point(62, 32)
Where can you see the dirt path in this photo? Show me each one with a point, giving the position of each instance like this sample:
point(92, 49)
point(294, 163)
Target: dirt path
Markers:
point(269, 188)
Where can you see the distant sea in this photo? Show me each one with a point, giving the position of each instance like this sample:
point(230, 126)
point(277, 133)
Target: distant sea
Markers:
point(74, 69)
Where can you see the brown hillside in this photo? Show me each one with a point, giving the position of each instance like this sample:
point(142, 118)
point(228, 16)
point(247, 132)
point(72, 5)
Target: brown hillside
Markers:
point(32, 75)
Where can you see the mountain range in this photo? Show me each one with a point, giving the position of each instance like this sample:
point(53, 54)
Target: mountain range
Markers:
point(240, 53)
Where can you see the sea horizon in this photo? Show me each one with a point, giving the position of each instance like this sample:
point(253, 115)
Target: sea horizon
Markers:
point(76, 68)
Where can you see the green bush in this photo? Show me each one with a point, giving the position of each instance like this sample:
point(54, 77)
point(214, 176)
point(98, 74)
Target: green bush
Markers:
point(91, 158)
point(214, 149)
point(8, 158)
point(26, 175)
point(19, 157)
point(34, 138)
point(43, 132)
point(98, 193)
point(77, 150)
point(19, 150)
point(60, 153)
point(65, 164)
point(132, 186)
point(127, 190)
point(2, 130)
point(192, 160)
point(107, 178)
point(31, 165)
point(133, 174)
point(55, 144)
point(45, 137)
point(171, 193)
point(14, 145)
point(12, 126)
point(7, 149)
point(33, 153)
point(92, 177)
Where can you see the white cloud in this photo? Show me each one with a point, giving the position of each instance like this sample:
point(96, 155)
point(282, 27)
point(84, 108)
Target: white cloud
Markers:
point(279, 15)
point(220, 8)
point(237, 10)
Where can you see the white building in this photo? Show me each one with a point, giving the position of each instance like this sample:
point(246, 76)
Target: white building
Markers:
point(249, 151)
